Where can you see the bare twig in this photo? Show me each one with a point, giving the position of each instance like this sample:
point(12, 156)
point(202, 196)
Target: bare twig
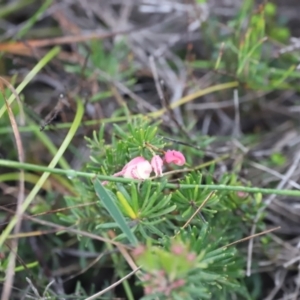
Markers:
point(268, 201)
point(125, 254)
point(113, 285)
point(163, 99)
point(198, 209)
point(274, 173)
point(47, 288)
point(280, 276)
point(67, 229)
point(58, 108)
point(35, 291)
point(237, 127)
point(297, 284)
point(251, 237)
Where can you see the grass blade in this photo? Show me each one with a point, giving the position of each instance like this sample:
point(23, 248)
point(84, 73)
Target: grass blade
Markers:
point(31, 196)
point(51, 54)
point(114, 211)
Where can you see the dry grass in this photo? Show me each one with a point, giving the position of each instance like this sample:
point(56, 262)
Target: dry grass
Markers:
point(257, 129)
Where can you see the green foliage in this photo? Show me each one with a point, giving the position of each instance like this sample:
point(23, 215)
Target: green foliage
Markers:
point(138, 141)
point(183, 255)
point(109, 61)
point(247, 51)
point(191, 265)
point(161, 220)
point(276, 30)
point(113, 210)
point(278, 159)
point(250, 45)
point(115, 63)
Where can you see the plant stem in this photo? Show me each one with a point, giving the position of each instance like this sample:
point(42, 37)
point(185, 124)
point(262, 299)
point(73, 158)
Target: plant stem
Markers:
point(6, 10)
point(51, 54)
point(31, 196)
point(209, 187)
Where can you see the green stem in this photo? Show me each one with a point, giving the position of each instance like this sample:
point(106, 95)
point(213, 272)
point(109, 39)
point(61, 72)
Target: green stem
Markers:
point(209, 187)
point(53, 52)
point(31, 196)
point(29, 24)
point(6, 10)
point(42, 136)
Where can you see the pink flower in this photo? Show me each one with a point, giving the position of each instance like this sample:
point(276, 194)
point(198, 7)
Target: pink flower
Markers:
point(141, 170)
point(177, 249)
point(191, 256)
point(137, 168)
point(175, 157)
point(139, 250)
point(157, 164)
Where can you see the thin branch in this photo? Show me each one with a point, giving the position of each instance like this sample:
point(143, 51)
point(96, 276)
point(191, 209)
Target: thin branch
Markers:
point(66, 229)
point(251, 237)
point(198, 209)
point(113, 285)
point(268, 201)
point(35, 291)
point(163, 99)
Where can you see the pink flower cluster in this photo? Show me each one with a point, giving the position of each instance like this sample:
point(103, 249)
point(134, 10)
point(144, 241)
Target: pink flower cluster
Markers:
point(140, 168)
point(158, 282)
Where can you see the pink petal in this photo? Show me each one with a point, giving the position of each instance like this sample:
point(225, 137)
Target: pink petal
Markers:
point(130, 172)
point(137, 168)
point(134, 161)
point(157, 164)
point(128, 167)
point(175, 157)
point(140, 170)
point(144, 170)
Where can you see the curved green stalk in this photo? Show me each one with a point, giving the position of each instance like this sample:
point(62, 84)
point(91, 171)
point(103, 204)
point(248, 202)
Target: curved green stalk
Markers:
point(32, 178)
point(53, 52)
point(42, 180)
point(6, 10)
point(42, 136)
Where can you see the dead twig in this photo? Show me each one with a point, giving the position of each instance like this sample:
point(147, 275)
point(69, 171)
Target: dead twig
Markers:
point(268, 201)
point(113, 285)
point(198, 209)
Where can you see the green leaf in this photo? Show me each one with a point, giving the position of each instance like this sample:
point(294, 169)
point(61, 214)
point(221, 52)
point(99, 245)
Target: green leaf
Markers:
point(163, 212)
point(134, 198)
point(114, 211)
point(278, 159)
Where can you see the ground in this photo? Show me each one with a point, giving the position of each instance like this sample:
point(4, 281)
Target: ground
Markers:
point(219, 79)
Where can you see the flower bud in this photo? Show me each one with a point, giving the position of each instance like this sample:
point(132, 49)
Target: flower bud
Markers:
point(175, 157)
